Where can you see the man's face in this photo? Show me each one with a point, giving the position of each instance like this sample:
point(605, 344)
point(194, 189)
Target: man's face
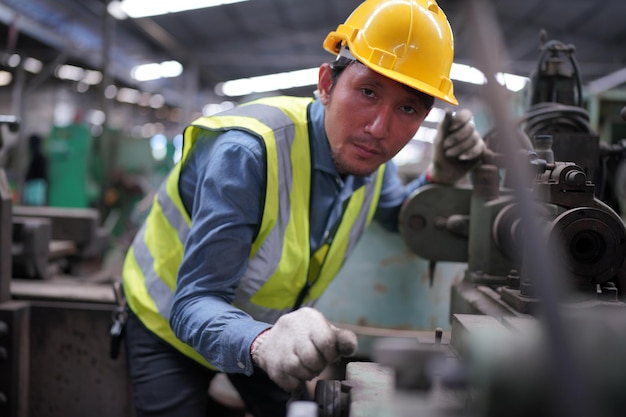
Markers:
point(369, 118)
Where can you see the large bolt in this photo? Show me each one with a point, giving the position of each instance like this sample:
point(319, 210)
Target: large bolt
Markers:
point(576, 178)
point(417, 222)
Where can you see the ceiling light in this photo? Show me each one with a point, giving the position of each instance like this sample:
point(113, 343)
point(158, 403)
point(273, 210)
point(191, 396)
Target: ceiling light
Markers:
point(468, 74)
point(92, 77)
point(115, 9)
point(128, 95)
point(110, 91)
point(14, 60)
point(70, 72)
point(81, 87)
point(158, 146)
point(154, 71)
point(156, 101)
point(512, 82)
point(142, 8)
point(271, 82)
point(214, 108)
point(95, 117)
point(5, 78)
point(33, 65)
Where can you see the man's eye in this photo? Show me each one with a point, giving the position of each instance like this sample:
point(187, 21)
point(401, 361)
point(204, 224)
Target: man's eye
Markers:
point(367, 92)
point(408, 109)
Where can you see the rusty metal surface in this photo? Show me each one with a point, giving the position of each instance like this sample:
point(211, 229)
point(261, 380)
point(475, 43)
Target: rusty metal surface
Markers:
point(71, 372)
point(14, 363)
point(5, 238)
point(384, 288)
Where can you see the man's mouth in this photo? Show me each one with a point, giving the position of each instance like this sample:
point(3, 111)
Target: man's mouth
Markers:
point(366, 150)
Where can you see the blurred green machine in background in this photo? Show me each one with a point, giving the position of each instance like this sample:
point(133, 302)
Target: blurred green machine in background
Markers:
point(69, 180)
point(110, 171)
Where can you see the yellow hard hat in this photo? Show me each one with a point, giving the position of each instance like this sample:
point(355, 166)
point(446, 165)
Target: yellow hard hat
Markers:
point(409, 41)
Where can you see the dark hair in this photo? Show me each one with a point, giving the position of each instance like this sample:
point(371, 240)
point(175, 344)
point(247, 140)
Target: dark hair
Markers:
point(337, 67)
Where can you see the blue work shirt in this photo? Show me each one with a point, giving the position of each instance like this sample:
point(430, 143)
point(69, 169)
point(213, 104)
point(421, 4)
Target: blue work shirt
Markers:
point(222, 186)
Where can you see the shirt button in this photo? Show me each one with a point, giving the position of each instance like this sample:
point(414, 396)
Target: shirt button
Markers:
point(241, 365)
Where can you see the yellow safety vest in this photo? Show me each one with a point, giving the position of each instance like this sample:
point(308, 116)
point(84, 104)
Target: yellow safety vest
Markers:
point(280, 263)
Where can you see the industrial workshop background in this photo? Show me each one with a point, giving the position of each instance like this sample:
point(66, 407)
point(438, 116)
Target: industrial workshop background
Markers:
point(93, 101)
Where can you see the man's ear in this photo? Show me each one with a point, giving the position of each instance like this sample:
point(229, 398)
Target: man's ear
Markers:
point(324, 83)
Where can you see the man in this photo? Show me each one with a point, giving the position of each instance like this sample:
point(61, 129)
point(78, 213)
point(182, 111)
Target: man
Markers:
point(266, 204)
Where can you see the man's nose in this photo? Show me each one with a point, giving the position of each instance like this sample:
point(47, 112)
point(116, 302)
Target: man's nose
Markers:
point(379, 124)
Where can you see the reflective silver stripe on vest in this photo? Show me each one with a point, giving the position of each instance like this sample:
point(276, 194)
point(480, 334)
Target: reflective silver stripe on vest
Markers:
point(270, 251)
point(158, 290)
point(267, 258)
point(271, 315)
point(172, 214)
point(361, 222)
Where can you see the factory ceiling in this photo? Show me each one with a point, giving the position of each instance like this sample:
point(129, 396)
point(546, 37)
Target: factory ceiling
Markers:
point(258, 37)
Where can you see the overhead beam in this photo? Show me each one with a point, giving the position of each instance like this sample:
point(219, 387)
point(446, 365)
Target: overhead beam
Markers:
point(56, 41)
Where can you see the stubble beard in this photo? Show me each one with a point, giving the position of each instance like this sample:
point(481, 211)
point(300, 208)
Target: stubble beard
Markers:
point(345, 168)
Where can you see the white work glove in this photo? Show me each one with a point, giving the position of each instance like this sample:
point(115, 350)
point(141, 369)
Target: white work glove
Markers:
point(299, 347)
point(457, 148)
